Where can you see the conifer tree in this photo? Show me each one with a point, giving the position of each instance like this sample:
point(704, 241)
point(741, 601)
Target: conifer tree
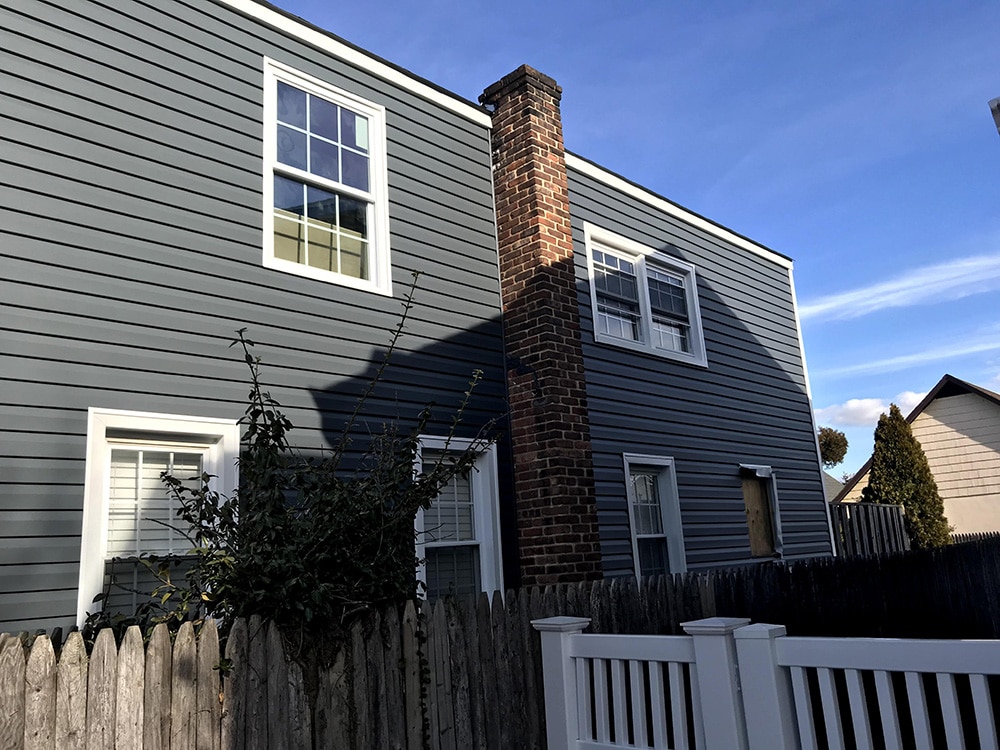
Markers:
point(900, 475)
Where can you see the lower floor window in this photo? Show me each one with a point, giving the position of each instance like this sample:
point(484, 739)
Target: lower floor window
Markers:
point(654, 515)
point(457, 536)
point(128, 512)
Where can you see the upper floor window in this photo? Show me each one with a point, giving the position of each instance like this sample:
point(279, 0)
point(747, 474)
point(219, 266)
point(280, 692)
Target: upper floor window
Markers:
point(325, 184)
point(642, 298)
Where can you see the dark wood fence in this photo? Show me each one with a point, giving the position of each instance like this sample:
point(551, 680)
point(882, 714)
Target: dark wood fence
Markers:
point(458, 674)
point(866, 529)
point(974, 537)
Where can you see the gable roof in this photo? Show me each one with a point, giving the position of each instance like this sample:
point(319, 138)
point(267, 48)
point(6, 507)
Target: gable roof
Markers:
point(949, 385)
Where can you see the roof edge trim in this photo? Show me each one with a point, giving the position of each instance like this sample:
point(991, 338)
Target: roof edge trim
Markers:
point(656, 201)
point(330, 44)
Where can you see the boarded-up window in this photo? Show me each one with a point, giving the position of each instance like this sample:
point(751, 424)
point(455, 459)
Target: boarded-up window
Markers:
point(760, 523)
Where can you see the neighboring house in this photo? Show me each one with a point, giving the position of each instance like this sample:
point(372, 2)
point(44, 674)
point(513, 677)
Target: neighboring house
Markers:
point(958, 426)
point(831, 485)
point(172, 172)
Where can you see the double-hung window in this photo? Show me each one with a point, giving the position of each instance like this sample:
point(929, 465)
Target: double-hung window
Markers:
point(654, 515)
point(457, 536)
point(325, 184)
point(642, 298)
point(127, 510)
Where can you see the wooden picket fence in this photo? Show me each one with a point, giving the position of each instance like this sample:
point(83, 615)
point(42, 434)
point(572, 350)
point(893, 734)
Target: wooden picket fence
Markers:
point(866, 529)
point(453, 675)
point(976, 536)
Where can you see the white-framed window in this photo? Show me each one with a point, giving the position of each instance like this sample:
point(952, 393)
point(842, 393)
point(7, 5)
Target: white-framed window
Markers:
point(760, 500)
point(127, 510)
point(326, 213)
point(654, 511)
point(458, 536)
point(642, 298)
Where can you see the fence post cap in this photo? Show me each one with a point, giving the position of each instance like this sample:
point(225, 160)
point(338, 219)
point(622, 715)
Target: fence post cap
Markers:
point(560, 624)
point(760, 631)
point(714, 625)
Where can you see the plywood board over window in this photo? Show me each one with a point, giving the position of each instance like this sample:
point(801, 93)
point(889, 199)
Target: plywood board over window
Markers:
point(760, 499)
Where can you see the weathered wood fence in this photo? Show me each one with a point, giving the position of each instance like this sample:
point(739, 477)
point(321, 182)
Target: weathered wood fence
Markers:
point(866, 529)
point(458, 674)
point(980, 536)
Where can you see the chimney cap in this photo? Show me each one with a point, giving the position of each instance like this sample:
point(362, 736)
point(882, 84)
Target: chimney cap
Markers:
point(521, 78)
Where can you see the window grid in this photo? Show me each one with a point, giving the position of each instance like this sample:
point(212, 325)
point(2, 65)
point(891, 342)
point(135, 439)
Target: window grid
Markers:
point(642, 298)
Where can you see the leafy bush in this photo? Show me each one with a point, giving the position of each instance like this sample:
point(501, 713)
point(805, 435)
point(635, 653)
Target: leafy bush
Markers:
point(303, 543)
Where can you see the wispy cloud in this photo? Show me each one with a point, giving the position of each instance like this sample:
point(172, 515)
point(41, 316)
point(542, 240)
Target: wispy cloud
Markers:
point(962, 348)
point(945, 281)
point(862, 412)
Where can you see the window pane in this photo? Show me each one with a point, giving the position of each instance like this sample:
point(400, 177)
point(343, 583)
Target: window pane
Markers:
point(353, 257)
point(323, 118)
point(666, 293)
point(452, 570)
point(671, 335)
point(324, 159)
point(653, 556)
point(353, 130)
point(288, 195)
point(289, 237)
point(322, 205)
point(354, 217)
point(646, 503)
point(292, 147)
point(322, 248)
point(618, 319)
point(291, 105)
point(355, 170)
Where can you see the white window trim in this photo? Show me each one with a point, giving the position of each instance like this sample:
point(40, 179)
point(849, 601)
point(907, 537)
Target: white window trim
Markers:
point(637, 253)
point(378, 240)
point(485, 492)
point(670, 508)
point(223, 437)
point(766, 472)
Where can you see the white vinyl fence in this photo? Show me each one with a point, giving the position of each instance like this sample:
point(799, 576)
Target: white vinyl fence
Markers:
point(729, 685)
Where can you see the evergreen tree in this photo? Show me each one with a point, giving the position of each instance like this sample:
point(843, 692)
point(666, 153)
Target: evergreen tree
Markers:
point(900, 475)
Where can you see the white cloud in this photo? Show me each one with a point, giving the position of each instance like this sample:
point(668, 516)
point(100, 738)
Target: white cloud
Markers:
point(945, 281)
point(864, 412)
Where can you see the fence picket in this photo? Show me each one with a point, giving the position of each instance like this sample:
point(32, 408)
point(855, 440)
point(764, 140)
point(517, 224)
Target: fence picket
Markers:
point(490, 674)
point(919, 717)
point(475, 671)
point(40, 696)
point(658, 707)
point(277, 690)
point(333, 705)
point(208, 688)
point(183, 687)
point(299, 719)
point(233, 723)
point(412, 685)
point(459, 666)
point(101, 693)
point(376, 681)
point(950, 712)
point(887, 710)
point(156, 691)
point(71, 695)
point(394, 672)
point(12, 694)
point(256, 707)
point(859, 709)
point(983, 707)
point(362, 730)
point(501, 650)
point(129, 688)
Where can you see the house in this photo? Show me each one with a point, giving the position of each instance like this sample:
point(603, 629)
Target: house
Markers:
point(173, 172)
point(831, 485)
point(958, 426)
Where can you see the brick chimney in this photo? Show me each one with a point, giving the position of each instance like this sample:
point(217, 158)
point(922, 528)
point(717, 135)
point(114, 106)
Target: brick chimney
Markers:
point(550, 430)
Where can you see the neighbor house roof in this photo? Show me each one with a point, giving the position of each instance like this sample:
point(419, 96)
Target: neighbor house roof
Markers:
point(949, 385)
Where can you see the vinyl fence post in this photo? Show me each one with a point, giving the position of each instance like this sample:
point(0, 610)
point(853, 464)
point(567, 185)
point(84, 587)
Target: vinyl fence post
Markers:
point(718, 681)
point(559, 679)
point(768, 703)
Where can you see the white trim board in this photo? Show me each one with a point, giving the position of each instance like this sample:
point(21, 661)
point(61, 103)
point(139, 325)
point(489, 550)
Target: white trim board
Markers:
point(618, 183)
point(359, 59)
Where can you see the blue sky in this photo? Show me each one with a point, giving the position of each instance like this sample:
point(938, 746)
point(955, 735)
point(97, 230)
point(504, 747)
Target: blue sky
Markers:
point(854, 137)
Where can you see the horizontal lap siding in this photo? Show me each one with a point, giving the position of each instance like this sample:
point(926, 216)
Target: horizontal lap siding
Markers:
point(130, 236)
point(749, 406)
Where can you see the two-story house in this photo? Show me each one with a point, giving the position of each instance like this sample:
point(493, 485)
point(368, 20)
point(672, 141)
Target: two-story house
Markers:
point(173, 171)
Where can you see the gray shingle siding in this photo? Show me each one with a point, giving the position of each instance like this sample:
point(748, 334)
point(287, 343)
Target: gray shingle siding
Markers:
point(749, 406)
point(130, 237)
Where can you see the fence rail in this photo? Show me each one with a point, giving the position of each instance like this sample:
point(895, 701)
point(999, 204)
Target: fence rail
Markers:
point(753, 687)
point(866, 529)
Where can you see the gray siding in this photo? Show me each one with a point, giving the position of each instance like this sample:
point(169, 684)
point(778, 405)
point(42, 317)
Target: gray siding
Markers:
point(130, 238)
point(749, 406)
